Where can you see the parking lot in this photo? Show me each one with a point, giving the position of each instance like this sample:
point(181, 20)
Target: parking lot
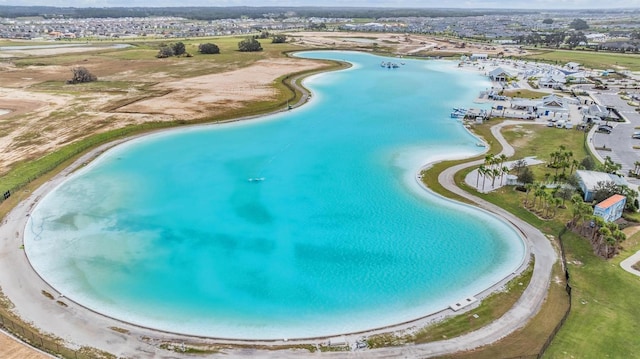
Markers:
point(619, 143)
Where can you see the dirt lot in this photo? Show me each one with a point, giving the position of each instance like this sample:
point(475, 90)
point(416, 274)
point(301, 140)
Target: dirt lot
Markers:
point(10, 349)
point(45, 113)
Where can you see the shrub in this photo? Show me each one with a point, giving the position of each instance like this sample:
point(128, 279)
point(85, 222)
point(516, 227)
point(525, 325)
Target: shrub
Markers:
point(249, 45)
point(208, 48)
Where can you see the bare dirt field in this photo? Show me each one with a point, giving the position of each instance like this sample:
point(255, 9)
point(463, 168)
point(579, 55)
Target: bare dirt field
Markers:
point(398, 44)
point(46, 113)
point(10, 349)
point(202, 96)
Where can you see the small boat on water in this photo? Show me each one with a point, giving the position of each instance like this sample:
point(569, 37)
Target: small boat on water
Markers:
point(256, 179)
point(458, 113)
point(389, 65)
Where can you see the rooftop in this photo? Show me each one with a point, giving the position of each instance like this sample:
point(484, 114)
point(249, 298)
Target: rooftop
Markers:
point(611, 201)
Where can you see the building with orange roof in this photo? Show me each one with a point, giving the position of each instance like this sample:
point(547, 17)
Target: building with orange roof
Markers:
point(611, 208)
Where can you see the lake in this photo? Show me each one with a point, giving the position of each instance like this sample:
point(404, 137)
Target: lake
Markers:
point(300, 224)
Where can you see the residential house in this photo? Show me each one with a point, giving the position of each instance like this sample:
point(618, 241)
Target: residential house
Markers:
point(552, 81)
point(500, 75)
point(552, 105)
point(611, 208)
point(596, 113)
point(579, 77)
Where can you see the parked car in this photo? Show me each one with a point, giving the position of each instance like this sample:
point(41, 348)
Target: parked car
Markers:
point(605, 129)
point(636, 135)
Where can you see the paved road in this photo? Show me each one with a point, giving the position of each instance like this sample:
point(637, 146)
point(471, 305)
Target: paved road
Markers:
point(629, 262)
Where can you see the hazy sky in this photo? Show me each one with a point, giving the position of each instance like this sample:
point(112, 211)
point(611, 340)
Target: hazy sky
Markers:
point(520, 4)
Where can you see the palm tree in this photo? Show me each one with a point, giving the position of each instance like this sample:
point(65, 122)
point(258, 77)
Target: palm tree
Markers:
point(557, 202)
point(480, 171)
point(488, 159)
point(610, 247)
point(553, 156)
point(539, 192)
point(598, 224)
point(619, 236)
point(503, 158)
point(603, 234)
point(544, 203)
point(574, 165)
point(576, 212)
point(485, 171)
point(505, 170)
point(494, 173)
point(528, 187)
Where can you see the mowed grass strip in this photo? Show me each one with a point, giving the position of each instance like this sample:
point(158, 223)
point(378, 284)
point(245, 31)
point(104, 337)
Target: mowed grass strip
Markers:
point(590, 59)
point(524, 93)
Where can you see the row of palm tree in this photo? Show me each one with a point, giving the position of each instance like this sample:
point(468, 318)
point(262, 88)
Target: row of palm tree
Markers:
point(563, 159)
point(548, 204)
point(605, 237)
point(609, 166)
point(492, 167)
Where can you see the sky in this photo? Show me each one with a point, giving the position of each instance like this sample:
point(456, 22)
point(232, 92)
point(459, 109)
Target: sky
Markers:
point(513, 4)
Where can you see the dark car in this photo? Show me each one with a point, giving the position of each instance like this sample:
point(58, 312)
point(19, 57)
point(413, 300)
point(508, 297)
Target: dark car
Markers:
point(605, 128)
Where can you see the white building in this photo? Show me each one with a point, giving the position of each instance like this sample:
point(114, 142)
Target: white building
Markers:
point(500, 75)
point(475, 57)
point(588, 181)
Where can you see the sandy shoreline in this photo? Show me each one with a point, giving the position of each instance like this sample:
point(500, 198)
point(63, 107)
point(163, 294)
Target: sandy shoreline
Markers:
point(27, 287)
point(83, 327)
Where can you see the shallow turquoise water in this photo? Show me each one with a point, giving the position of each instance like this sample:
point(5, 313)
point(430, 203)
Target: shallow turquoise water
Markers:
point(167, 231)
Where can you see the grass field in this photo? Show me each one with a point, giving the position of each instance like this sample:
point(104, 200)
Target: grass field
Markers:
point(605, 317)
point(589, 59)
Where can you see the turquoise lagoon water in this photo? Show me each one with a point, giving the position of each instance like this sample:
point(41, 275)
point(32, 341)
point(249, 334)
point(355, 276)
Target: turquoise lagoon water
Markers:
point(167, 231)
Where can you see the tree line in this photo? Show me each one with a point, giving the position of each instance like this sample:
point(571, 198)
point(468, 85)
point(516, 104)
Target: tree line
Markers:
point(249, 44)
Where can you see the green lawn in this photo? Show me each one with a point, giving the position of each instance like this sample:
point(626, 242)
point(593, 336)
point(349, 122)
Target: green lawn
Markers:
point(524, 93)
point(605, 317)
point(590, 59)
